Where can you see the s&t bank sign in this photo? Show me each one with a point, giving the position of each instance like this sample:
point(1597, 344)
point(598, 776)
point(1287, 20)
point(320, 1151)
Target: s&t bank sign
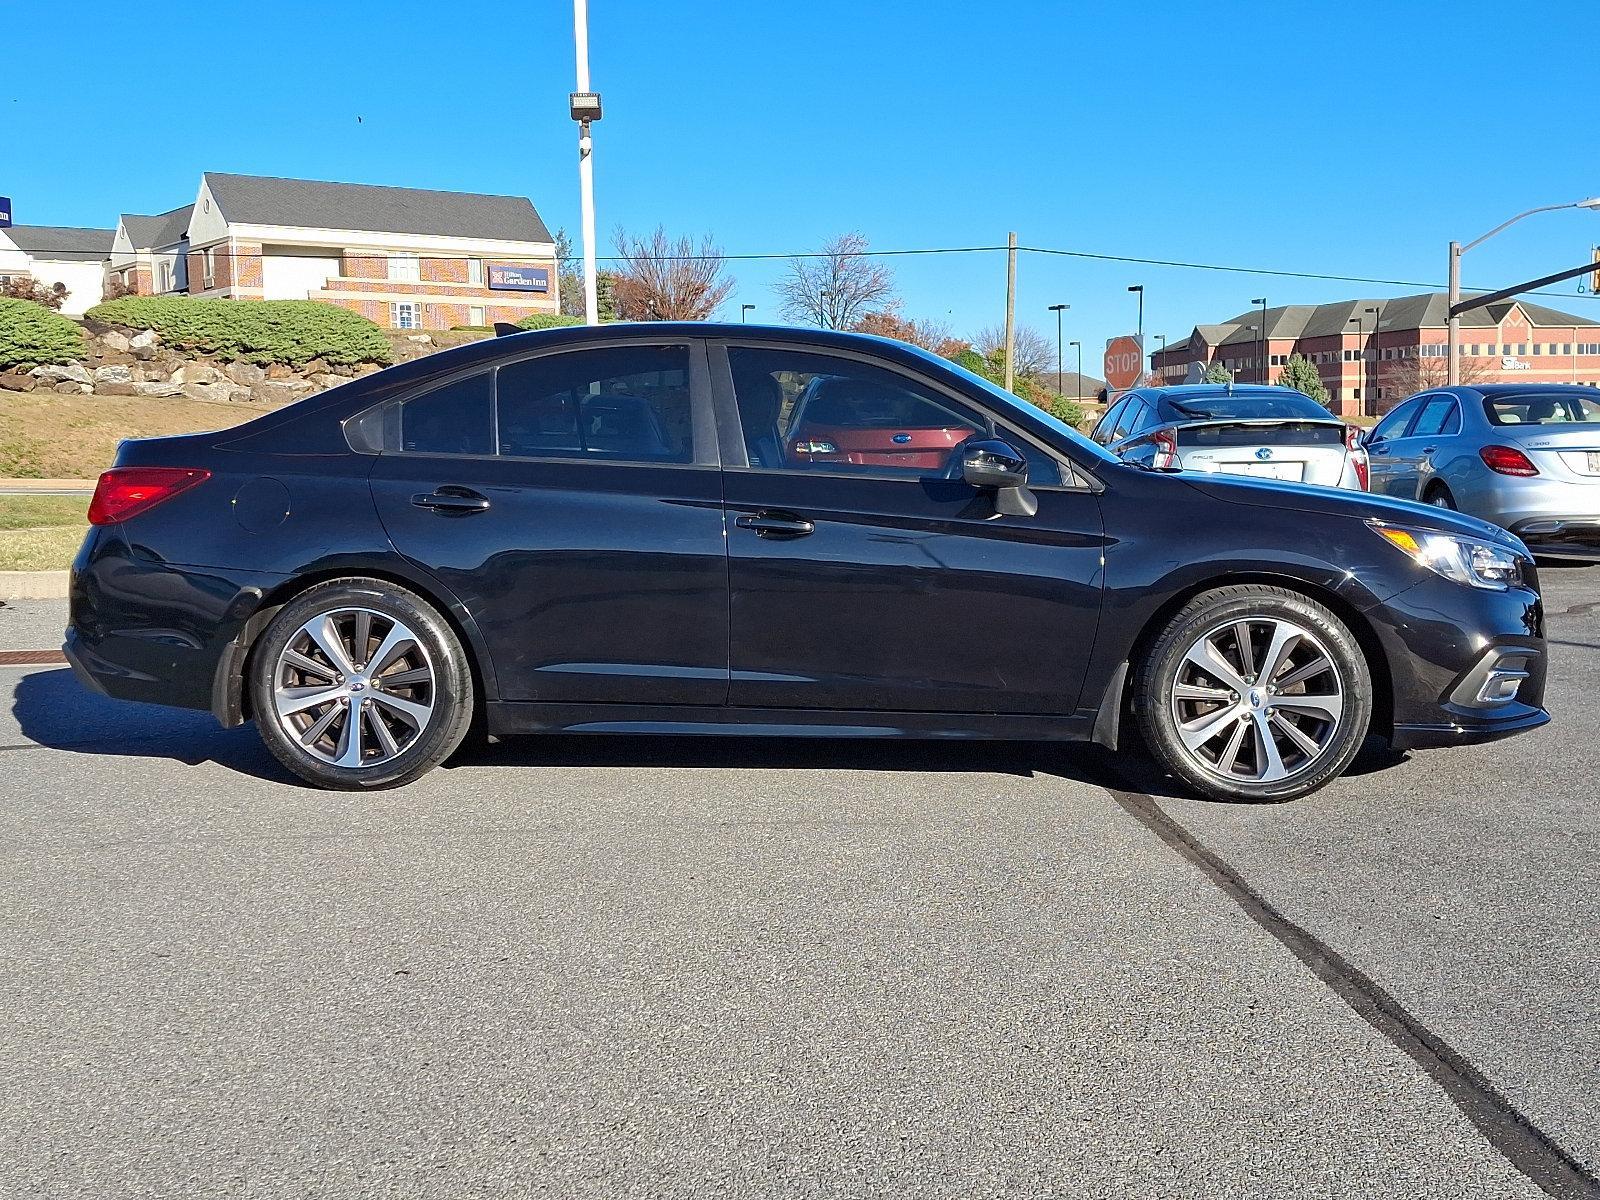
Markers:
point(503, 277)
point(5, 211)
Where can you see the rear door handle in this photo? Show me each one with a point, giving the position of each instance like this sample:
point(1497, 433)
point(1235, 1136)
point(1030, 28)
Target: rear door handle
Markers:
point(776, 524)
point(452, 500)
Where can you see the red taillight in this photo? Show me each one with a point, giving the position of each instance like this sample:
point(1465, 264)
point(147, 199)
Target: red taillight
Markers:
point(1166, 443)
point(1358, 456)
point(1507, 460)
point(125, 492)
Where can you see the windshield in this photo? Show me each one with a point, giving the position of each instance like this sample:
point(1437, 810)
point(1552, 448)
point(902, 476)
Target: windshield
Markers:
point(1548, 408)
point(1290, 406)
point(1005, 399)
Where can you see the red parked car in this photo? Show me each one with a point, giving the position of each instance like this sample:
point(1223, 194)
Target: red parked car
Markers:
point(838, 419)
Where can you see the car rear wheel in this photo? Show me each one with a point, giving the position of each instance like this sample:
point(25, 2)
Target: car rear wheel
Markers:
point(358, 684)
point(1254, 693)
point(1439, 496)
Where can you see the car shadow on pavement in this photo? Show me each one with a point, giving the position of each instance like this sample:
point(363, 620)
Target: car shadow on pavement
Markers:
point(51, 708)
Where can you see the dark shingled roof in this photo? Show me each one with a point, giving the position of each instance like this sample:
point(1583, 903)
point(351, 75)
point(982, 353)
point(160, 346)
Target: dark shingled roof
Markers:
point(309, 204)
point(1429, 310)
point(62, 242)
point(152, 233)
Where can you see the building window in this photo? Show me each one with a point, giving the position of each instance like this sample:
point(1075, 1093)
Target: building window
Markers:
point(1522, 348)
point(1566, 347)
point(475, 272)
point(166, 277)
point(475, 315)
point(1355, 393)
point(208, 269)
point(406, 315)
point(405, 268)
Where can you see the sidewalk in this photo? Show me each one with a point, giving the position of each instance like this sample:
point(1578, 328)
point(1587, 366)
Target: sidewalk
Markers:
point(46, 487)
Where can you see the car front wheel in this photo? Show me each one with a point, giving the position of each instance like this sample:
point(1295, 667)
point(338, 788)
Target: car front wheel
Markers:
point(360, 684)
point(1254, 692)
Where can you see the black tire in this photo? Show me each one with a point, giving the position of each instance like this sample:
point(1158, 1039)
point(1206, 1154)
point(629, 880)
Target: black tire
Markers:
point(1157, 702)
point(1439, 496)
point(449, 687)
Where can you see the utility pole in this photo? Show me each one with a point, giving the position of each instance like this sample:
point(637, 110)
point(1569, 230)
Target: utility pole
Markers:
point(1452, 366)
point(586, 108)
point(1058, 309)
point(1011, 308)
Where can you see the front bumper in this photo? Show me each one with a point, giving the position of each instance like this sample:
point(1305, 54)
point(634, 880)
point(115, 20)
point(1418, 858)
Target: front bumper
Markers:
point(1466, 665)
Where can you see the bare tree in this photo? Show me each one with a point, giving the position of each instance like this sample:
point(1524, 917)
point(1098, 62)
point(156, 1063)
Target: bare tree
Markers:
point(1405, 377)
point(1035, 353)
point(837, 288)
point(662, 279)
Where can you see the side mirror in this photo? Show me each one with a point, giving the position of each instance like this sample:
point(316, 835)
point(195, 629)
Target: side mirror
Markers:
point(993, 465)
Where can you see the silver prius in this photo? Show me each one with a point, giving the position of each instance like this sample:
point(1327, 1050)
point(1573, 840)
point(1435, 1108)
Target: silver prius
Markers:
point(1525, 456)
point(1223, 429)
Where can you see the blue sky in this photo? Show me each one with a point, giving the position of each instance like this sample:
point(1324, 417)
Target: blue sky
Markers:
point(1350, 139)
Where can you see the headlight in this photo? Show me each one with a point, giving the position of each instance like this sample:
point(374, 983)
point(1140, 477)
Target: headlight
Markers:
point(1476, 562)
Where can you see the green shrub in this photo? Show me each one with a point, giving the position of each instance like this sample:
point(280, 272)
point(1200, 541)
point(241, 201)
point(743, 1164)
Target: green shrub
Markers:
point(263, 332)
point(1069, 412)
point(31, 336)
point(548, 321)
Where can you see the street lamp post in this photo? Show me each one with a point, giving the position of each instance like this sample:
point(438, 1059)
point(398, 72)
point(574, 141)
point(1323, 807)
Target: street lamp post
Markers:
point(745, 309)
point(1058, 309)
point(585, 108)
point(1162, 338)
point(1453, 365)
point(1262, 364)
point(1079, 345)
point(1139, 287)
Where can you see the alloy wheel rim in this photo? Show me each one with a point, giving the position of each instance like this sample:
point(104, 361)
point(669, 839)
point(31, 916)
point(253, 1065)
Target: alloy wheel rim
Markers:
point(1257, 700)
point(353, 688)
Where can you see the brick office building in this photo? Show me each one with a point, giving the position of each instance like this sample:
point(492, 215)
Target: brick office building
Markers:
point(1372, 353)
point(403, 257)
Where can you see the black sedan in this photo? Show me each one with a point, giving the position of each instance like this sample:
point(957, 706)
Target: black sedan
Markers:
point(616, 530)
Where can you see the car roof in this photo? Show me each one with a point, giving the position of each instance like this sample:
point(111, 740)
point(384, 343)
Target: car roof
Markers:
point(1511, 391)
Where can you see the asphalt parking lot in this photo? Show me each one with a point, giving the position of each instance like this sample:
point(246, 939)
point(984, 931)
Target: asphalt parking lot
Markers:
point(617, 967)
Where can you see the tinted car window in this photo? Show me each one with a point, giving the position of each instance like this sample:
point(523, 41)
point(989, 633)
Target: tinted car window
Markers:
point(1108, 422)
point(625, 403)
point(1395, 423)
point(1126, 422)
point(1439, 416)
point(804, 411)
point(1550, 409)
point(1287, 406)
point(455, 418)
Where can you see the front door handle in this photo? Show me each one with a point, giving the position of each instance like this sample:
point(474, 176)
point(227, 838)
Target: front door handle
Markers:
point(776, 524)
point(451, 500)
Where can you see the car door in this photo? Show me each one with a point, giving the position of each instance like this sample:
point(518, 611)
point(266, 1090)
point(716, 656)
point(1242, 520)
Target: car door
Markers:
point(1383, 449)
point(865, 586)
point(1438, 419)
point(571, 499)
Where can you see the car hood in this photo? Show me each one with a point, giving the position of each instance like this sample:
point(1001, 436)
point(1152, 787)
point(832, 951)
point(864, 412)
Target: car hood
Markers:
point(1238, 489)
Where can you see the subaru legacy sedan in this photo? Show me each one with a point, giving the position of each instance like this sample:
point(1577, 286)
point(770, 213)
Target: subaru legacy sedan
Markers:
point(622, 530)
point(1524, 456)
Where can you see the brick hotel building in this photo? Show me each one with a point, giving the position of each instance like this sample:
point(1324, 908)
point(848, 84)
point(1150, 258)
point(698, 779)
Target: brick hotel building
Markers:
point(1372, 353)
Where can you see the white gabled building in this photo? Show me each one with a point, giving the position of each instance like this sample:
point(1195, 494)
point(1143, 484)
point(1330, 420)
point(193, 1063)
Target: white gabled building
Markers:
point(50, 254)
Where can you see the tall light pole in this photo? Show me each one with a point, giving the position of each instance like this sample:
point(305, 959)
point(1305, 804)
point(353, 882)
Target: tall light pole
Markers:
point(744, 310)
point(1079, 345)
point(1058, 309)
point(1262, 364)
point(1162, 338)
point(1369, 402)
point(1453, 365)
point(585, 107)
point(1139, 287)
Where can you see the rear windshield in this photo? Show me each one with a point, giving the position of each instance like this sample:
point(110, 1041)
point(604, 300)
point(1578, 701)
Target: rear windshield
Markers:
point(1556, 408)
point(1291, 433)
point(1289, 405)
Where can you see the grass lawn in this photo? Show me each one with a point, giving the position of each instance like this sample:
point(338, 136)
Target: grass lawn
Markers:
point(41, 533)
point(44, 435)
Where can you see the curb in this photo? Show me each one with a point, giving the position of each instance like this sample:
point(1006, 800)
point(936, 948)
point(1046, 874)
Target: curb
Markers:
point(34, 585)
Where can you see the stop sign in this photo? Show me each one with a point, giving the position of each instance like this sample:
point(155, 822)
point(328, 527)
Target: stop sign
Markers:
point(1124, 363)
